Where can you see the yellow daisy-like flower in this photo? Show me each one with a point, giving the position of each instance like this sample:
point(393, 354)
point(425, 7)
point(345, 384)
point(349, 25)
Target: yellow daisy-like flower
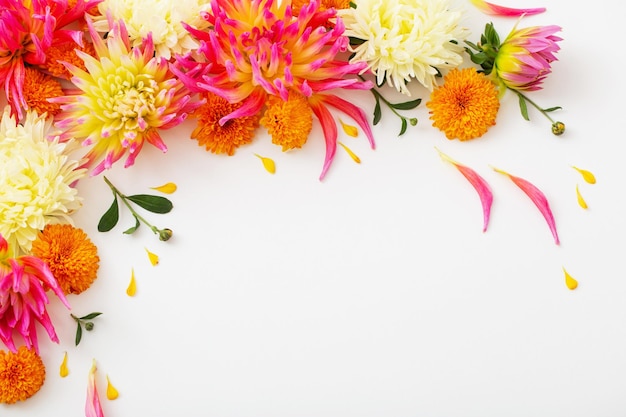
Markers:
point(465, 106)
point(37, 175)
point(288, 122)
point(227, 138)
point(70, 254)
point(21, 375)
point(38, 88)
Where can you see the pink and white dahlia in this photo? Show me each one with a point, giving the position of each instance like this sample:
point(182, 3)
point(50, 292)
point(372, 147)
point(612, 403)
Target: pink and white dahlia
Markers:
point(23, 299)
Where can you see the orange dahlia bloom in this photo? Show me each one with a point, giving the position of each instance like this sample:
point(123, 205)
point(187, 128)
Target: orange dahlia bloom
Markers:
point(465, 106)
point(290, 121)
point(70, 254)
point(21, 375)
point(38, 87)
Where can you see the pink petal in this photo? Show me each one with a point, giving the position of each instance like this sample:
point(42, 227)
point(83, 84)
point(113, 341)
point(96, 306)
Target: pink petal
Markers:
point(479, 184)
point(538, 198)
point(496, 10)
point(329, 127)
point(93, 408)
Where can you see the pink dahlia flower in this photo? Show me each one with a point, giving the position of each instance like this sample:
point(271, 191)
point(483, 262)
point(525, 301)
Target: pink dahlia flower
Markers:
point(524, 58)
point(23, 299)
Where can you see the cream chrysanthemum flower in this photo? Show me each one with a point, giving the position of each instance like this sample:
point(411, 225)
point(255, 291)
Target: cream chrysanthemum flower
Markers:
point(36, 177)
point(406, 39)
point(162, 18)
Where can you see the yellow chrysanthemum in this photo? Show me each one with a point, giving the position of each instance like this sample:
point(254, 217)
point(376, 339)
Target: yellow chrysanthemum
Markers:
point(288, 122)
point(70, 254)
point(36, 177)
point(38, 88)
point(227, 138)
point(21, 375)
point(465, 106)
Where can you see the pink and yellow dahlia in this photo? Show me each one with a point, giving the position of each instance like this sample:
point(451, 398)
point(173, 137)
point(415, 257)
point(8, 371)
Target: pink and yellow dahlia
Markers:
point(27, 29)
point(255, 49)
point(23, 299)
point(126, 96)
point(524, 58)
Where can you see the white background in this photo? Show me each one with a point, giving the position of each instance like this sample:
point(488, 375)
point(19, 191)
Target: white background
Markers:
point(373, 293)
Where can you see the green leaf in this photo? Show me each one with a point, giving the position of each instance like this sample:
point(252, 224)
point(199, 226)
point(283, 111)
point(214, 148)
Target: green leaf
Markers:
point(552, 109)
point(404, 126)
point(152, 203)
point(90, 316)
point(523, 108)
point(131, 230)
point(79, 334)
point(110, 218)
point(377, 112)
point(407, 105)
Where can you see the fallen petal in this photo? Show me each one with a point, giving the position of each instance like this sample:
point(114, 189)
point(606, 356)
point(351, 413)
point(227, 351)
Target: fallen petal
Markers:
point(354, 157)
point(268, 163)
point(581, 200)
point(167, 188)
point(153, 257)
point(479, 184)
point(64, 370)
point(132, 286)
point(496, 10)
point(349, 129)
point(570, 281)
point(536, 197)
point(112, 392)
point(93, 408)
point(587, 175)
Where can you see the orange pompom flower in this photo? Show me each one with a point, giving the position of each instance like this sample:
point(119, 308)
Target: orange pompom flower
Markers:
point(21, 375)
point(224, 138)
point(290, 121)
point(70, 254)
point(38, 88)
point(465, 106)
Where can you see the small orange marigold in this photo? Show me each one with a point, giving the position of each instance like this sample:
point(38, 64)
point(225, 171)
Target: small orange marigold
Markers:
point(222, 139)
point(66, 52)
point(465, 106)
point(70, 254)
point(22, 374)
point(288, 122)
point(38, 88)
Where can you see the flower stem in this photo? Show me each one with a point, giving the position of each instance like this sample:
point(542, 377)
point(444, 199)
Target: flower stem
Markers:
point(557, 127)
point(161, 232)
point(378, 95)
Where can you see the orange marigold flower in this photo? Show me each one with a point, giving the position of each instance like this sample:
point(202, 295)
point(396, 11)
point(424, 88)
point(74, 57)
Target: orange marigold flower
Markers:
point(227, 138)
point(296, 5)
point(21, 375)
point(38, 88)
point(70, 254)
point(288, 122)
point(66, 52)
point(465, 106)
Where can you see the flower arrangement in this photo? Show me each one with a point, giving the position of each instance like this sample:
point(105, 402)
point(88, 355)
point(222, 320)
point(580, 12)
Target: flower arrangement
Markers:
point(100, 78)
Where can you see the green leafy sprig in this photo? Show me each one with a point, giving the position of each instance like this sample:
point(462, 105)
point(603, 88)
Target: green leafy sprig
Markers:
point(558, 128)
point(83, 321)
point(151, 203)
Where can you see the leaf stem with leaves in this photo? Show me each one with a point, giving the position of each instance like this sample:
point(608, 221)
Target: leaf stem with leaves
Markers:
point(86, 321)
point(152, 203)
point(557, 127)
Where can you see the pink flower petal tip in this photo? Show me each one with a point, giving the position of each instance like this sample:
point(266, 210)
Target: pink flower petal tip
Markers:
point(497, 10)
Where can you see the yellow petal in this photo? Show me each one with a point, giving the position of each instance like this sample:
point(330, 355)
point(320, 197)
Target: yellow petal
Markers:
point(63, 370)
point(154, 258)
point(167, 188)
point(587, 175)
point(349, 129)
point(354, 157)
point(132, 286)
point(267, 163)
point(570, 281)
point(112, 392)
point(581, 200)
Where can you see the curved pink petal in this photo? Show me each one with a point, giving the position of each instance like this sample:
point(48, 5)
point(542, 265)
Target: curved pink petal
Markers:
point(330, 132)
point(479, 184)
point(496, 10)
point(356, 113)
point(538, 198)
point(93, 408)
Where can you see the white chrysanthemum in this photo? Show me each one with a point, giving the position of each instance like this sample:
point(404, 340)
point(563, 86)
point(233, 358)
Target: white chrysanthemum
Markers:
point(405, 39)
point(162, 18)
point(36, 176)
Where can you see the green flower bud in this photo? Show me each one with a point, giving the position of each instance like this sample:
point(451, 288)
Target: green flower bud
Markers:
point(165, 234)
point(558, 128)
point(89, 326)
